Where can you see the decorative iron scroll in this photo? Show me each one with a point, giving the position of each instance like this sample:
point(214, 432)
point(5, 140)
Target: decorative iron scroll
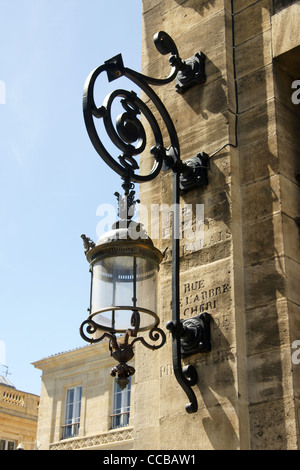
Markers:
point(128, 134)
point(122, 350)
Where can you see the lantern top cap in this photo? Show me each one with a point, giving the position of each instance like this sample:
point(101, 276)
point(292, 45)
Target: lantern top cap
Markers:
point(126, 238)
point(124, 230)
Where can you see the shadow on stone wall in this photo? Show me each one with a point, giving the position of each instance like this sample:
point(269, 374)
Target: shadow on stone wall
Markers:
point(264, 276)
point(198, 5)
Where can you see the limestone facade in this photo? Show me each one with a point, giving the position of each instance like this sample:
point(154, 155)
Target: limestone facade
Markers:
point(247, 271)
point(18, 418)
point(89, 368)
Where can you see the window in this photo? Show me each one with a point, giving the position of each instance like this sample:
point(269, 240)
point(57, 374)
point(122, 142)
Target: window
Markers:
point(121, 406)
point(7, 445)
point(72, 413)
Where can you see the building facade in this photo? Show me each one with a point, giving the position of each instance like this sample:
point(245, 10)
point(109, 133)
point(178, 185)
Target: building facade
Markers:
point(81, 405)
point(245, 272)
point(18, 417)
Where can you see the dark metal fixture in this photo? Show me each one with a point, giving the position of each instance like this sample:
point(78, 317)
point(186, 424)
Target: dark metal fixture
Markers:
point(114, 259)
point(123, 290)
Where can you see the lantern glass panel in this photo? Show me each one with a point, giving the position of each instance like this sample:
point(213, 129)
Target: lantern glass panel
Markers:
point(124, 282)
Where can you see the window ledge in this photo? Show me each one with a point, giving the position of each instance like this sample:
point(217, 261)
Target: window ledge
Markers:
point(113, 436)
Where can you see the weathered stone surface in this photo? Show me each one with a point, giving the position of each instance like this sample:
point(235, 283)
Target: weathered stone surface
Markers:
point(249, 233)
point(263, 239)
point(267, 327)
point(261, 199)
point(252, 21)
point(264, 282)
point(254, 54)
point(259, 160)
point(273, 425)
point(285, 30)
point(210, 428)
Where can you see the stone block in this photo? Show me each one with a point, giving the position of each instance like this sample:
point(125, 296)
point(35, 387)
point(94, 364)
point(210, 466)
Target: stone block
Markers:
point(257, 124)
point(253, 54)
point(283, 81)
point(217, 377)
point(285, 29)
point(217, 430)
point(261, 199)
point(294, 321)
point(290, 232)
point(252, 21)
point(266, 378)
point(292, 280)
point(288, 153)
point(290, 199)
point(146, 437)
point(272, 425)
point(240, 5)
point(263, 239)
point(267, 328)
point(264, 283)
point(255, 88)
point(287, 124)
point(259, 160)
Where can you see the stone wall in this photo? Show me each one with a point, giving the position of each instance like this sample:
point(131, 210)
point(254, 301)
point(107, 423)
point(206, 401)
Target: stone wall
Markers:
point(246, 272)
point(18, 416)
point(90, 368)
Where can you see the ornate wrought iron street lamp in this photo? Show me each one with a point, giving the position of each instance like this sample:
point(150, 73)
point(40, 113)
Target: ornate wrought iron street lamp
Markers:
point(123, 300)
point(124, 268)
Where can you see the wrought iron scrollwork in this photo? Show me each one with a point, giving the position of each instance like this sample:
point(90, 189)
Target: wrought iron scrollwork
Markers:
point(88, 328)
point(154, 334)
point(128, 133)
point(122, 350)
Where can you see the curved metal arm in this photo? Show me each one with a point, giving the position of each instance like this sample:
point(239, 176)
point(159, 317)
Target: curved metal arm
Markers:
point(165, 45)
point(91, 328)
point(187, 377)
point(129, 128)
point(154, 335)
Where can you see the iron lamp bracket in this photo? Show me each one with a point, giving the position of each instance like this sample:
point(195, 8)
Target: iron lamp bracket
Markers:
point(193, 334)
point(190, 336)
point(195, 171)
point(196, 335)
point(191, 72)
point(131, 138)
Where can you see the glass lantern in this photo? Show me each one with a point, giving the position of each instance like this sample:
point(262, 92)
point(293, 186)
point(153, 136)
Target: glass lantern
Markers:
point(124, 275)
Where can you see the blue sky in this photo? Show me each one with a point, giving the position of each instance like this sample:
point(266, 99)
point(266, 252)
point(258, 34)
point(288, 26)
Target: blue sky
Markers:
point(51, 178)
